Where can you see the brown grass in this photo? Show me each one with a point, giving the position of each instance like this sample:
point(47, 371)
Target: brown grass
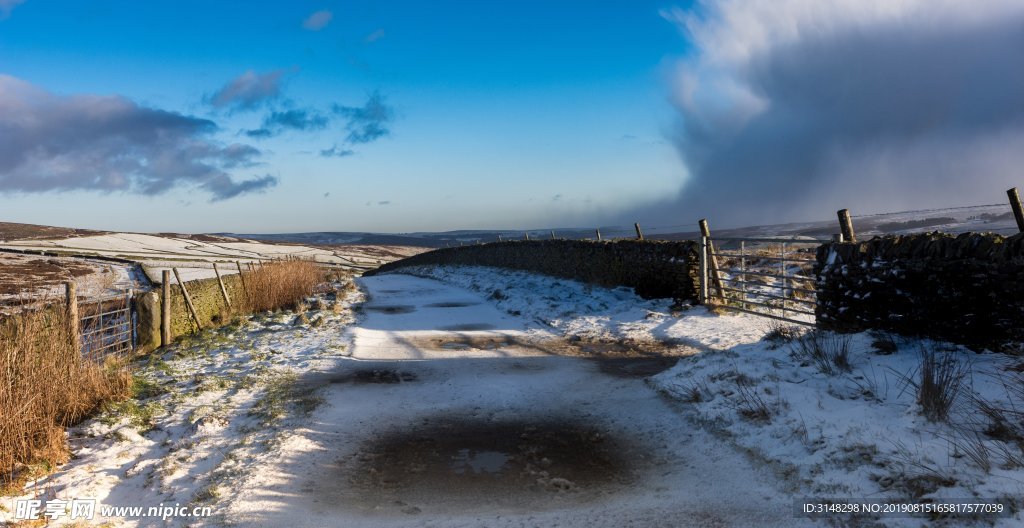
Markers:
point(45, 386)
point(281, 284)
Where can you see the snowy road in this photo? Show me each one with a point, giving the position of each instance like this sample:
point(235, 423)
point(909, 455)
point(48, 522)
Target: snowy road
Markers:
point(451, 412)
point(484, 397)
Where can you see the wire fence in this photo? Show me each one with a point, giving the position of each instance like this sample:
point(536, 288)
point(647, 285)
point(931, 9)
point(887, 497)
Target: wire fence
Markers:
point(994, 218)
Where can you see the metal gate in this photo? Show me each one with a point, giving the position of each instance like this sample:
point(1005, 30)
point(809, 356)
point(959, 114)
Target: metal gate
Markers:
point(769, 277)
point(107, 326)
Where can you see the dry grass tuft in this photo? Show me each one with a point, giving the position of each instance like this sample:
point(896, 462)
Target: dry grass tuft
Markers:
point(45, 386)
point(829, 352)
point(281, 284)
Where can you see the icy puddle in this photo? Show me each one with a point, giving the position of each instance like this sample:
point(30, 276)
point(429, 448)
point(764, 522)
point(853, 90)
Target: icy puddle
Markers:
point(480, 464)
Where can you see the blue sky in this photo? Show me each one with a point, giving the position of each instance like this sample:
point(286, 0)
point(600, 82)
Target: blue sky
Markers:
point(452, 115)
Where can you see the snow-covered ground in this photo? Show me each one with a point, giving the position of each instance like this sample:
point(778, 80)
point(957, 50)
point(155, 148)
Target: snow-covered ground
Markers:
point(474, 396)
point(28, 278)
point(194, 257)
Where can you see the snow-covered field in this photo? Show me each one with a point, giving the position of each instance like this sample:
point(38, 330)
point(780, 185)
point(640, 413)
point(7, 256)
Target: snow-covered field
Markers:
point(195, 257)
point(473, 396)
point(27, 278)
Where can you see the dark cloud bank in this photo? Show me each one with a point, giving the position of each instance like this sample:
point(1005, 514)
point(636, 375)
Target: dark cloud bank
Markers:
point(109, 143)
point(885, 113)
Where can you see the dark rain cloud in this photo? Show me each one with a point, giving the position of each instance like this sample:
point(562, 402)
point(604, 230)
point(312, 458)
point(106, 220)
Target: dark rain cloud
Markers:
point(369, 122)
point(248, 91)
point(111, 144)
point(849, 106)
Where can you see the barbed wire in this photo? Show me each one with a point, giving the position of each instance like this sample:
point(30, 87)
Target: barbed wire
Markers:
point(936, 210)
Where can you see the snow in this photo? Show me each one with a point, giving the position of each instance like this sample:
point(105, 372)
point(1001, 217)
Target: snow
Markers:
point(195, 257)
point(272, 423)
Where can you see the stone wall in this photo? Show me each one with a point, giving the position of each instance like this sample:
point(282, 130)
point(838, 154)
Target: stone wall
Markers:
point(207, 300)
point(967, 289)
point(654, 269)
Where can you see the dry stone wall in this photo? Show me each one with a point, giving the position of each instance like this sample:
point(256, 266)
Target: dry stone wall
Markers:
point(967, 289)
point(208, 302)
point(654, 269)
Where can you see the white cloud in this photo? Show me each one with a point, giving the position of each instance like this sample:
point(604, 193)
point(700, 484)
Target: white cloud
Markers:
point(318, 20)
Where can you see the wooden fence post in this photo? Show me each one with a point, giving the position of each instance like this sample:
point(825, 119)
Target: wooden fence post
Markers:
point(241, 277)
point(71, 303)
point(702, 294)
point(165, 309)
point(223, 290)
point(846, 225)
point(598, 234)
point(716, 279)
point(1018, 211)
point(639, 233)
point(188, 300)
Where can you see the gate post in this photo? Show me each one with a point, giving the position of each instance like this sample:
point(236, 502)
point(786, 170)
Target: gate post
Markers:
point(132, 320)
point(71, 304)
point(165, 309)
point(702, 295)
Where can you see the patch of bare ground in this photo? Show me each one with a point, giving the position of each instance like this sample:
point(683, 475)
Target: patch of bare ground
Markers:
point(201, 237)
point(13, 231)
point(25, 274)
point(381, 252)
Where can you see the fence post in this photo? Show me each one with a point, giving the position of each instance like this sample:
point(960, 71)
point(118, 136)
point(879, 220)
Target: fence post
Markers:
point(639, 233)
point(846, 225)
point(165, 310)
point(223, 290)
point(499, 239)
point(133, 333)
point(598, 234)
point(1018, 211)
point(188, 300)
point(71, 303)
point(552, 234)
point(241, 277)
point(716, 280)
point(526, 235)
point(702, 295)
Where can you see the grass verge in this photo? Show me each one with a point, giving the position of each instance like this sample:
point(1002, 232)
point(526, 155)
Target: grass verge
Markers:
point(45, 386)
